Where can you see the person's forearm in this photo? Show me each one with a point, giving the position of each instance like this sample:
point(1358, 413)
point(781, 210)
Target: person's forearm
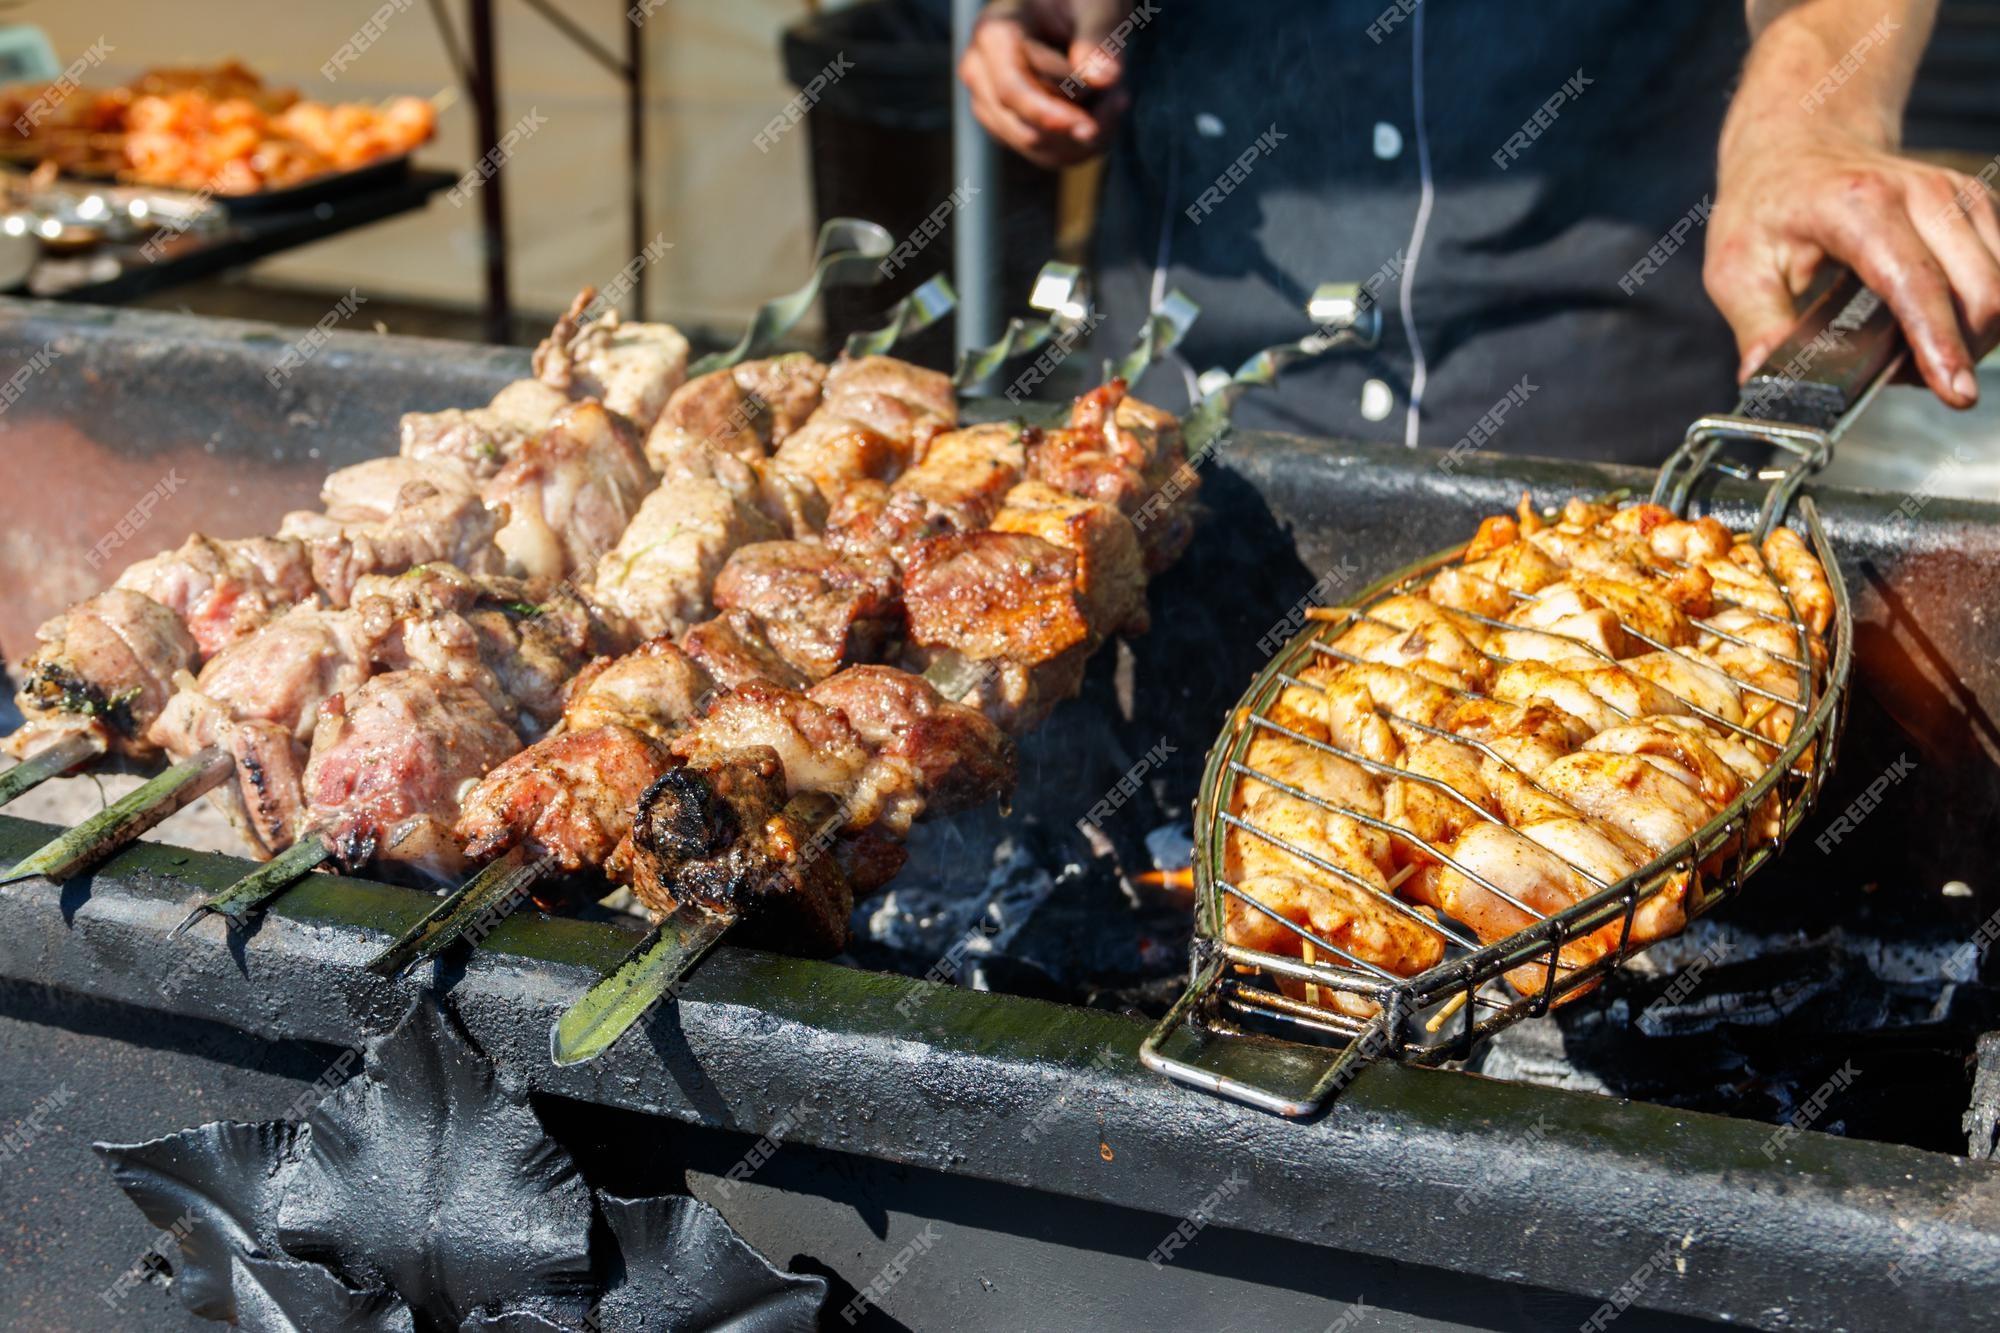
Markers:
point(1825, 68)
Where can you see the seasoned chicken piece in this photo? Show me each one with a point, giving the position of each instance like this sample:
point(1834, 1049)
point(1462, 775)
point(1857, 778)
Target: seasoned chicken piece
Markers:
point(1796, 567)
point(1549, 647)
point(722, 833)
point(1753, 666)
point(1628, 793)
point(1436, 650)
point(820, 610)
point(106, 666)
point(1741, 581)
point(1624, 694)
point(390, 760)
point(659, 575)
point(1444, 793)
point(1312, 770)
point(479, 441)
point(1304, 708)
point(1688, 757)
point(732, 649)
point(1342, 914)
point(1688, 678)
point(1354, 722)
point(569, 494)
point(630, 368)
point(1532, 683)
point(568, 798)
point(1523, 870)
point(1667, 538)
point(1567, 610)
point(952, 757)
point(1110, 571)
point(259, 699)
point(743, 410)
point(1584, 552)
point(391, 514)
point(1530, 738)
point(1405, 694)
point(1483, 585)
point(223, 590)
point(656, 688)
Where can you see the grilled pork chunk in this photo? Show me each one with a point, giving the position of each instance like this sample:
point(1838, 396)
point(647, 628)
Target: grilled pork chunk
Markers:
point(743, 411)
point(569, 798)
point(819, 610)
point(631, 368)
point(569, 493)
point(107, 665)
point(479, 441)
point(391, 514)
point(656, 689)
point(224, 590)
point(390, 760)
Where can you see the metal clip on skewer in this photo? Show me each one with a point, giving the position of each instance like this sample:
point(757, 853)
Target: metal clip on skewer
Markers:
point(849, 254)
point(1345, 320)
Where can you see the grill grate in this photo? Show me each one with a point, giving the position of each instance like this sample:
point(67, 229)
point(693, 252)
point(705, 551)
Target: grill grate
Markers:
point(1215, 1036)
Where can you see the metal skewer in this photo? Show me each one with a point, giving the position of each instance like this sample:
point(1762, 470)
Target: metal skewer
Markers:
point(1062, 294)
point(125, 819)
point(48, 763)
point(848, 254)
point(914, 313)
point(267, 881)
point(489, 896)
point(1345, 319)
point(649, 974)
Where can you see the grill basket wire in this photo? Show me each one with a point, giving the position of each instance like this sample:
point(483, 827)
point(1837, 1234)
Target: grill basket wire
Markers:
point(1437, 1014)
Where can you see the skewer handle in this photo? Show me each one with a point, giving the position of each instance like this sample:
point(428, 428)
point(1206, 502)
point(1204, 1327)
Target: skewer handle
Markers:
point(487, 897)
point(267, 881)
point(1062, 294)
point(848, 253)
point(124, 820)
point(1165, 327)
point(649, 974)
point(912, 315)
point(44, 764)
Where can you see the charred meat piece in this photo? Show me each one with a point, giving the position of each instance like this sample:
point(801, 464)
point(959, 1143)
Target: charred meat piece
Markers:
point(631, 368)
point(258, 699)
point(570, 493)
point(744, 410)
point(107, 665)
point(479, 441)
point(722, 833)
point(1002, 610)
point(656, 688)
point(1110, 568)
point(659, 575)
point(732, 649)
point(223, 590)
point(1127, 454)
point(391, 514)
point(568, 798)
point(820, 610)
point(956, 758)
point(389, 761)
point(958, 487)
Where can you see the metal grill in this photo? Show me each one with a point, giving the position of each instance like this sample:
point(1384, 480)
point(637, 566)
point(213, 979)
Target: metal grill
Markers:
point(1219, 1036)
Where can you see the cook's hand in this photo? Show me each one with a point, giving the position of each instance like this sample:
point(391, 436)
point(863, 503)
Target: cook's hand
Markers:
point(1926, 239)
point(1022, 53)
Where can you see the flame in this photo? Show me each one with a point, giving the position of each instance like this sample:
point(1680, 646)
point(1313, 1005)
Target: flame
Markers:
point(1181, 877)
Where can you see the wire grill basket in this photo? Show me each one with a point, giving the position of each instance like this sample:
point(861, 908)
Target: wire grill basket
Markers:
point(1226, 1033)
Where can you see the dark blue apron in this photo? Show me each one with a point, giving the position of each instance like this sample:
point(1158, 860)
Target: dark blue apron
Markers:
point(1276, 144)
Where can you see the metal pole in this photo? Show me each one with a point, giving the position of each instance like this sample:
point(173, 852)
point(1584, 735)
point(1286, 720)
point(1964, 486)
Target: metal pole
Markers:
point(635, 152)
point(975, 160)
point(492, 203)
